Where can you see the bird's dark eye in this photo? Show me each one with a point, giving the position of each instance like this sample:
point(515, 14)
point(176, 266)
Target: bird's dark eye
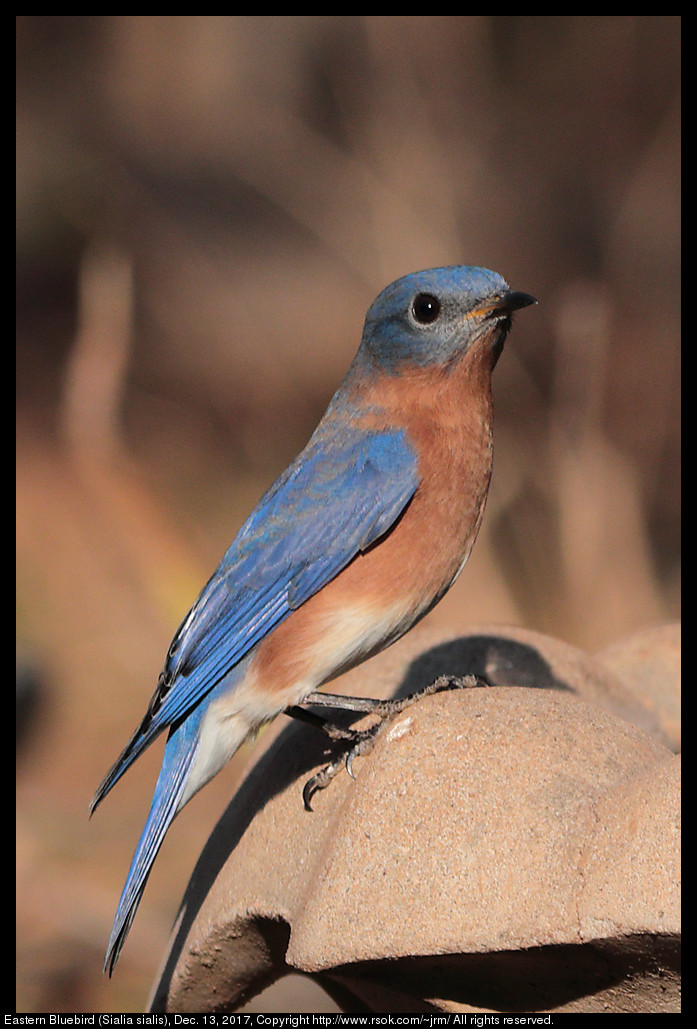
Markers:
point(425, 308)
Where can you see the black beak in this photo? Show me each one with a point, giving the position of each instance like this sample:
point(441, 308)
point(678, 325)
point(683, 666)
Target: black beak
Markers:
point(513, 300)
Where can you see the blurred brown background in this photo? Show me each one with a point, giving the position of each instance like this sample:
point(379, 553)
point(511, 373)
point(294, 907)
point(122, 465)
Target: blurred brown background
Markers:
point(206, 207)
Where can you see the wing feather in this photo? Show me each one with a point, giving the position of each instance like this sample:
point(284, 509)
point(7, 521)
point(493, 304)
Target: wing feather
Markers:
point(336, 500)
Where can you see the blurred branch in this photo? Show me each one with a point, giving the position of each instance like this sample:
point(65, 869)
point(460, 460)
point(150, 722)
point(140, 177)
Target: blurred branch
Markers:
point(96, 368)
point(138, 526)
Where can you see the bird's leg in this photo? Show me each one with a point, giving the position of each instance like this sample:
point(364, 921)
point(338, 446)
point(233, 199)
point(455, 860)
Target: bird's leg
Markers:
point(363, 739)
point(370, 705)
point(334, 732)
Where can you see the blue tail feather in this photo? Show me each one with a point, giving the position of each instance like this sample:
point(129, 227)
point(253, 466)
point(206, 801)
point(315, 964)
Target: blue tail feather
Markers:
point(180, 753)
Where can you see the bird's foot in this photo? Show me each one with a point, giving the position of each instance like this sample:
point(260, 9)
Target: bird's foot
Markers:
point(361, 741)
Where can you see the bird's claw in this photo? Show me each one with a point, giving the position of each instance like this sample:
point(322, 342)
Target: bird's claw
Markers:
point(320, 781)
point(362, 744)
point(363, 740)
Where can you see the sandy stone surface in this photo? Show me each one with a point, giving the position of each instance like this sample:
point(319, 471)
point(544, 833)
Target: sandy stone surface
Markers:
point(506, 848)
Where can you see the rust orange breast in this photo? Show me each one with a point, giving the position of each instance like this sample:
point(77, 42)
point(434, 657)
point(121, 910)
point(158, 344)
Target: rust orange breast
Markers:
point(447, 415)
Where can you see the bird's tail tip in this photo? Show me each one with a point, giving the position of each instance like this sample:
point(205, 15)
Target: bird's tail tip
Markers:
point(118, 938)
point(101, 791)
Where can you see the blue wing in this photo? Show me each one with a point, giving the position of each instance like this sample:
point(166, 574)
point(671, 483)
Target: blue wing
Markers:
point(342, 493)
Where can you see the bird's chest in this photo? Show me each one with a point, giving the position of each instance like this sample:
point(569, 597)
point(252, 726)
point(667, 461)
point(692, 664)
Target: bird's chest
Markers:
point(447, 417)
point(455, 463)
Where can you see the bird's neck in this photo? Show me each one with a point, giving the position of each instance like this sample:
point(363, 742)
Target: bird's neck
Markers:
point(455, 396)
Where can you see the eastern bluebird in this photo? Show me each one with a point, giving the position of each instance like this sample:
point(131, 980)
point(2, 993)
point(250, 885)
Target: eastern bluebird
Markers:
point(357, 540)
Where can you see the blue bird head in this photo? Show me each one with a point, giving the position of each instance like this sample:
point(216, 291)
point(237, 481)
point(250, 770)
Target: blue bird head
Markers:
point(432, 317)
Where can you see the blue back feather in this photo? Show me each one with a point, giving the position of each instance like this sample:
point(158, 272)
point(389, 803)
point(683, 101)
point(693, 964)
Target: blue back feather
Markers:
point(344, 491)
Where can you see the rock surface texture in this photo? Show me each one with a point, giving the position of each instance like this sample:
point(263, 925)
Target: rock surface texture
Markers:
point(505, 849)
